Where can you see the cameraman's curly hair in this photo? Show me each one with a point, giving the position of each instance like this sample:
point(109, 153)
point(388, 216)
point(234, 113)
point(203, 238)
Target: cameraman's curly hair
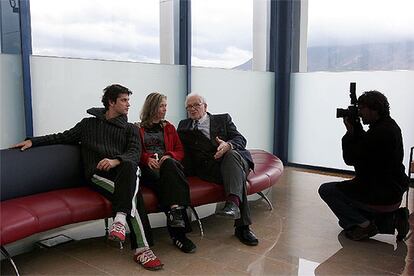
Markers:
point(375, 100)
point(112, 92)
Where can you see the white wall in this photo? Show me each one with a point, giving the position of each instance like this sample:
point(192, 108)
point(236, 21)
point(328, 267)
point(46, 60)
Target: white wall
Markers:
point(315, 134)
point(246, 95)
point(63, 89)
point(12, 126)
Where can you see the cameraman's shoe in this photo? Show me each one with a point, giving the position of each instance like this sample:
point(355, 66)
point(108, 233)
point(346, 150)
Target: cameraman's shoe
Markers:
point(401, 223)
point(358, 233)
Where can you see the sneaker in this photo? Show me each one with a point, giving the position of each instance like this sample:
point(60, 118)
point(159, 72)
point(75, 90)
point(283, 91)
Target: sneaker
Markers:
point(358, 233)
point(185, 244)
point(401, 223)
point(148, 260)
point(175, 217)
point(117, 232)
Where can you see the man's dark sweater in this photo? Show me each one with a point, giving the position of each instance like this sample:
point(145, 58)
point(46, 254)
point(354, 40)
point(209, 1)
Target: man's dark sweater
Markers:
point(99, 138)
point(377, 156)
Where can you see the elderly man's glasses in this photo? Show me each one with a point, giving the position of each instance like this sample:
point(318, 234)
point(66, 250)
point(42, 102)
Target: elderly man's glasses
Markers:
point(193, 106)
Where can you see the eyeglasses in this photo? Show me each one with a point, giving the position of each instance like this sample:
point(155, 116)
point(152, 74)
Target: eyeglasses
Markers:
point(195, 106)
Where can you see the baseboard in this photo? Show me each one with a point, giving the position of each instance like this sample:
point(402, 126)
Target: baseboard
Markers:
point(322, 169)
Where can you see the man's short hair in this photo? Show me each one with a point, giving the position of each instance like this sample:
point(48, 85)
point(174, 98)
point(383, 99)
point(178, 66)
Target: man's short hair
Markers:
point(203, 100)
point(375, 100)
point(112, 92)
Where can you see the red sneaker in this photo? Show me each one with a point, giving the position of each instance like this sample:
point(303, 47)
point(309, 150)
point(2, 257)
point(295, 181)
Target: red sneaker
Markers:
point(117, 232)
point(148, 260)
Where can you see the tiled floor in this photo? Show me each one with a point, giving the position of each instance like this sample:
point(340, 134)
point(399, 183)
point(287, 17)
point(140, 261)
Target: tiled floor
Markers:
point(299, 237)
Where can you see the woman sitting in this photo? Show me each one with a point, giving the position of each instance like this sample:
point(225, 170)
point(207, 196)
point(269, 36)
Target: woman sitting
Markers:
point(162, 171)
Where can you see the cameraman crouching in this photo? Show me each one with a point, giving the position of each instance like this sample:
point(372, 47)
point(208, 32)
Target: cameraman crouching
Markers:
point(380, 179)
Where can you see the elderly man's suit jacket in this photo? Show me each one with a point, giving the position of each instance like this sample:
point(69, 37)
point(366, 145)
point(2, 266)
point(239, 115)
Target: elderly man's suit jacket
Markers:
point(221, 126)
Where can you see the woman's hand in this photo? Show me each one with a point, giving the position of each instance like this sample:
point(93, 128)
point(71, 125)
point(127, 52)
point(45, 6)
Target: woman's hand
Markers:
point(165, 157)
point(153, 163)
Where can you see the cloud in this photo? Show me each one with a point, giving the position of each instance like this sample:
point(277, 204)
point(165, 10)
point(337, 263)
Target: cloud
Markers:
point(129, 30)
point(121, 30)
point(230, 58)
point(222, 34)
point(357, 22)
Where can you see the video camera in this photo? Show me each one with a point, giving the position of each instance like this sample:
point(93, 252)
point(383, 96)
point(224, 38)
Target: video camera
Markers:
point(352, 111)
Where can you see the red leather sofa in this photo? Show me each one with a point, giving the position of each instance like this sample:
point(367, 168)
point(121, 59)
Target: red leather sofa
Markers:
point(43, 188)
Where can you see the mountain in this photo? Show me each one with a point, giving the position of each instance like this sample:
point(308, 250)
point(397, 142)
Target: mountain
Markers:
point(375, 56)
point(363, 57)
point(247, 66)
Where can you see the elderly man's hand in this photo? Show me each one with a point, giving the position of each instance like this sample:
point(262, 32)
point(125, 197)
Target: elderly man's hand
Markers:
point(222, 148)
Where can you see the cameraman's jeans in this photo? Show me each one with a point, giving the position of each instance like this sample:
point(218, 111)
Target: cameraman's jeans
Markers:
point(348, 211)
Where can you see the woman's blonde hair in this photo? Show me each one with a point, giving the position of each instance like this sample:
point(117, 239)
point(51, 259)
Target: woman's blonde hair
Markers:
point(150, 108)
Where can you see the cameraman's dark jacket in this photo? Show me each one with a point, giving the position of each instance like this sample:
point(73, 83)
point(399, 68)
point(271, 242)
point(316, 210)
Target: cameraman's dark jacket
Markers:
point(377, 156)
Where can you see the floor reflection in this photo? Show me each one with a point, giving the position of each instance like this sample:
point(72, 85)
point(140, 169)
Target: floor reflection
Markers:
point(365, 257)
point(299, 237)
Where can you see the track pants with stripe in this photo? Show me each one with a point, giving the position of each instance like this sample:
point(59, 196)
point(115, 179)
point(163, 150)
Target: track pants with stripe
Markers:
point(120, 186)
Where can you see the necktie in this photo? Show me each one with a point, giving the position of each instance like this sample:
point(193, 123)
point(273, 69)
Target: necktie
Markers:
point(196, 123)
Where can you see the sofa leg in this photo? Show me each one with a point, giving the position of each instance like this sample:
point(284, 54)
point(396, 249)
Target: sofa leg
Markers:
point(7, 255)
point(106, 227)
point(266, 199)
point(193, 210)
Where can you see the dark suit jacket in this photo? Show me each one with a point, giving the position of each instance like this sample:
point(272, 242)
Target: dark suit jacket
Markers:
point(222, 126)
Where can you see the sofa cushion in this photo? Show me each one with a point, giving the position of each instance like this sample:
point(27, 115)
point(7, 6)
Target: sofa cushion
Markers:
point(203, 192)
point(24, 216)
point(60, 165)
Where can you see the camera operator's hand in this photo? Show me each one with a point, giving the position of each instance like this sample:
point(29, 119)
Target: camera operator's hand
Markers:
point(348, 125)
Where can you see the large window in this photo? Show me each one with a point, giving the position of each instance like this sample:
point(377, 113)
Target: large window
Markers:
point(125, 30)
point(9, 27)
point(360, 35)
point(222, 33)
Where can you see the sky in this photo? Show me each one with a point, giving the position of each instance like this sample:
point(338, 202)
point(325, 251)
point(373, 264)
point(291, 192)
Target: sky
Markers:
point(333, 22)
point(222, 35)
point(129, 30)
point(102, 29)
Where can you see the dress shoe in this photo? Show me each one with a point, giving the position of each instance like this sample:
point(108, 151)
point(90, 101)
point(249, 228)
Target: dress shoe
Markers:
point(245, 235)
point(358, 233)
point(230, 210)
point(401, 223)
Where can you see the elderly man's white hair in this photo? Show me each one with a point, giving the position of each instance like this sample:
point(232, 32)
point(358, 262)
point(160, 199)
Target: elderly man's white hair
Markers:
point(203, 100)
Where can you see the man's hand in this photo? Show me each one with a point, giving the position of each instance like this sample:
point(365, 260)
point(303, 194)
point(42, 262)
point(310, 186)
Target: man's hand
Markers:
point(106, 164)
point(222, 148)
point(153, 163)
point(348, 125)
point(23, 145)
